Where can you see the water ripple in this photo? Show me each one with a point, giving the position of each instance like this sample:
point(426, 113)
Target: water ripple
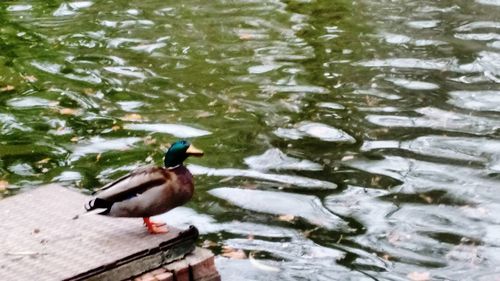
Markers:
point(10, 124)
point(19, 8)
point(31, 102)
point(281, 203)
point(440, 120)
point(315, 130)
point(288, 180)
point(413, 85)
point(454, 148)
point(394, 101)
point(478, 25)
point(275, 159)
point(97, 145)
point(489, 2)
point(476, 100)
point(71, 8)
point(429, 64)
point(181, 131)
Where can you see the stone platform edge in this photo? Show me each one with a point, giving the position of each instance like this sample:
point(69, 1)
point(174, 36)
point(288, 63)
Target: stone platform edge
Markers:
point(198, 265)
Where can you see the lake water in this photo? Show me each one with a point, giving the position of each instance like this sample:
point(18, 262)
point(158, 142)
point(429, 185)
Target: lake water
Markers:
point(344, 140)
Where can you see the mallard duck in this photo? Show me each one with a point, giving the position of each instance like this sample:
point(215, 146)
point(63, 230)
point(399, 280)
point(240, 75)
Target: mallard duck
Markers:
point(149, 191)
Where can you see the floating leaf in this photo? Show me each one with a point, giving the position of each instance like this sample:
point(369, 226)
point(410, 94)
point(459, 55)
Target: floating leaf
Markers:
point(7, 88)
point(287, 218)
point(3, 185)
point(149, 140)
point(249, 185)
point(394, 237)
point(44, 161)
point(132, 117)
point(307, 233)
point(75, 139)
point(208, 244)
point(68, 111)
point(233, 109)
point(372, 101)
point(30, 78)
point(232, 253)
point(246, 36)
point(226, 179)
point(347, 158)
point(88, 91)
point(204, 114)
point(116, 128)
point(419, 276)
point(375, 181)
point(426, 198)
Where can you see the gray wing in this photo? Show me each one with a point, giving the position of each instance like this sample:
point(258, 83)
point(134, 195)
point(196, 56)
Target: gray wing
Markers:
point(132, 184)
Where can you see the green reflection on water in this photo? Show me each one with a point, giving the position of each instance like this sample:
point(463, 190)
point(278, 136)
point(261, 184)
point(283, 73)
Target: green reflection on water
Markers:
point(91, 90)
point(177, 63)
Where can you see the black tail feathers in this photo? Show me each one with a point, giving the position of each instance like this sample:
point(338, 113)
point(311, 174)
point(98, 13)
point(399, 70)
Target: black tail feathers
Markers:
point(97, 203)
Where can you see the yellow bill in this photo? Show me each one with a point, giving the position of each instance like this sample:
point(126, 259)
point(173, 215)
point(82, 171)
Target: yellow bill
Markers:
point(193, 151)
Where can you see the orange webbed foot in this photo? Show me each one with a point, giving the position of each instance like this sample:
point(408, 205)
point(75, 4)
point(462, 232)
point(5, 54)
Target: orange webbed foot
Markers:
point(155, 227)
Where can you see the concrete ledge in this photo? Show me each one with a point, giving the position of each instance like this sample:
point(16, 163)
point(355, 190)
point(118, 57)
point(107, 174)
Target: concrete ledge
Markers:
point(198, 265)
point(40, 239)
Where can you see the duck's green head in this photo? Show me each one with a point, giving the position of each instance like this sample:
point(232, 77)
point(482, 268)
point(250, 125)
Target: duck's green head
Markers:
point(179, 151)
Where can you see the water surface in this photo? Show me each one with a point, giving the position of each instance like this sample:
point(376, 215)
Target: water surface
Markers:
point(345, 140)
